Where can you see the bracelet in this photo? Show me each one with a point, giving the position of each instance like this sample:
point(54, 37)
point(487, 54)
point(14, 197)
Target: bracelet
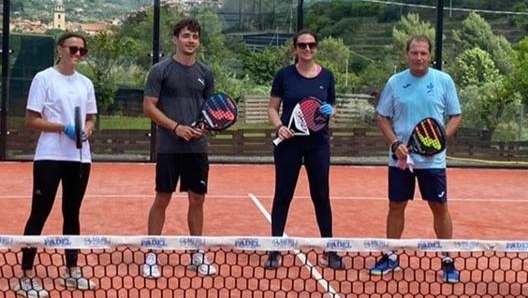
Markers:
point(395, 144)
point(174, 129)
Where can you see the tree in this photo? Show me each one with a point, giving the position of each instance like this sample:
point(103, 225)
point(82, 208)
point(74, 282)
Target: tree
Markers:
point(106, 51)
point(476, 32)
point(487, 106)
point(517, 80)
point(334, 55)
point(139, 26)
point(486, 102)
point(411, 25)
point(262, 65)
point(212, 40)
point(475, 67)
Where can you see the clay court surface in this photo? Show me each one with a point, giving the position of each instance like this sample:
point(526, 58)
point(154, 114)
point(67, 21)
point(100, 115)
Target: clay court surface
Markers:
point(485, 203)
point(488, 204)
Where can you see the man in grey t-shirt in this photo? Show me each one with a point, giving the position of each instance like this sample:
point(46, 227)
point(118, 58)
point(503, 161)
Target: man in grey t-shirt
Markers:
point(175, 90)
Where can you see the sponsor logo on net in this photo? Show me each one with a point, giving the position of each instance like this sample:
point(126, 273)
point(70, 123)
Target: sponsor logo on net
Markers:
point(6, 241)
point(338, 244)
point(429, 245)
point(376, 244)
point(154, 242)
point(247, 243)
point(57, 241)
point(517, 245)
point(191, 242)
point(97, 241)
point(285, 243)
point(467, 245)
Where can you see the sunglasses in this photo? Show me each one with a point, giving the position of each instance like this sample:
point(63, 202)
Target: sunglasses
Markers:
point(74, 50)
point(304, 45)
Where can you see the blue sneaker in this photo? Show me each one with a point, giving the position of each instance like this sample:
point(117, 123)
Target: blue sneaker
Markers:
point(385, 265)
point(449, 274)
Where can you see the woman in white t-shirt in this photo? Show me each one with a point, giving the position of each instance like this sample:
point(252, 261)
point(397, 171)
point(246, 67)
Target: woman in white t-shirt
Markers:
point(54, 95)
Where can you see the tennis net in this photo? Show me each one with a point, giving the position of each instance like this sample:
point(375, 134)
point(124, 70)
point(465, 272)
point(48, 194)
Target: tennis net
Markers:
point(114, 264)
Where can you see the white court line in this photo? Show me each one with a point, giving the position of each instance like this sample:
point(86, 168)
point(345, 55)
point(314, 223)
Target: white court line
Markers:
point(215, 196)
point(313, 271)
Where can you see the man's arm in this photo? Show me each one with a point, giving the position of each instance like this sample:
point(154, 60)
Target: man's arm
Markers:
point(452, 125)
point(385, 125)
point(151, 110)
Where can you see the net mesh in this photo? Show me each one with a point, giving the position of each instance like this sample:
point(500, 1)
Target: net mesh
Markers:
point(487, 268)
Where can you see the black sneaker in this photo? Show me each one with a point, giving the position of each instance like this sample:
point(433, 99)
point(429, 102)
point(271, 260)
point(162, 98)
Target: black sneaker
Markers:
point(449, 273)
point(333, 260)
point(274, 260)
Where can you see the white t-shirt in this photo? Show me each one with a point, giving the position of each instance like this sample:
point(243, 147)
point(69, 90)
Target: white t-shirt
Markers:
point(55, 97)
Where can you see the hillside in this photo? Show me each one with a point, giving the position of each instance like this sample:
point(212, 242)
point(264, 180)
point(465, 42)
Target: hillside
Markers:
point(374, 38)
point(76, 10)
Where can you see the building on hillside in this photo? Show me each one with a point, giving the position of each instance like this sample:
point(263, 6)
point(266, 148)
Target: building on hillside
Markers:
point(59, 16)
point(94, 28)
point(23, 25)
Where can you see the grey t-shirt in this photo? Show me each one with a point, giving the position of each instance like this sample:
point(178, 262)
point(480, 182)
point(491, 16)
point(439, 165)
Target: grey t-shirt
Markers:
point(181, 90)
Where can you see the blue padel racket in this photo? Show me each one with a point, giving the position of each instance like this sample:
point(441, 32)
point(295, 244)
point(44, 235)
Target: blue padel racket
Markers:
point(306, 118)
point(219, 111)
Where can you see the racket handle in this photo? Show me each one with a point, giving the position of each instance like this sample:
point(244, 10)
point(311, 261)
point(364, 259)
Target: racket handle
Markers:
point(277, 141)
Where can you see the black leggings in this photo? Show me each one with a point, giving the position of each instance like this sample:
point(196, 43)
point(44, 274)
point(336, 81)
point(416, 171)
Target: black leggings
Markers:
point(47, 174)
point(288, 161)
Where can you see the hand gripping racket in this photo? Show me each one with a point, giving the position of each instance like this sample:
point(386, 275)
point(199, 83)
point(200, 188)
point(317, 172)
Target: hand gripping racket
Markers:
point(306, 118)
point(428, 138)
point(218, 113)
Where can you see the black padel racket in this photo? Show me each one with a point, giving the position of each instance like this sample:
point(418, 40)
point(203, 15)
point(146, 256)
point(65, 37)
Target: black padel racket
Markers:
point(428, 138)
point(78, 128)
point(306, 118)
point(218, 112)
point(78, 135)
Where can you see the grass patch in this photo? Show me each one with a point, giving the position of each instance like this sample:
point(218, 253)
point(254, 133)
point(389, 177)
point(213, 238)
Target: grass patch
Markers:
point(123, 122)
point(131, 123)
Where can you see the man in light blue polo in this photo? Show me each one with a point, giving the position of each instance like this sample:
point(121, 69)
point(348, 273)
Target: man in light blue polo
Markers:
point(408, 97)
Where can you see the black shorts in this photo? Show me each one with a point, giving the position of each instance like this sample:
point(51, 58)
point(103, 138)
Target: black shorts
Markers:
point(431, 182)
point(192, 168)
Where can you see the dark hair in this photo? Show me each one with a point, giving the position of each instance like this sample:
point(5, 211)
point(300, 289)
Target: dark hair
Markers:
point(68, 35)
point(189, 23)
point(303, 31)
point(296, 36)
point(418, 38)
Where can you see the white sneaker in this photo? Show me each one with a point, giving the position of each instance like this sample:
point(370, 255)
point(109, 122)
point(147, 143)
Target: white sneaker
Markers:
point(151, 269)
point(30, 287)
point(73, 279)
point(201, 264)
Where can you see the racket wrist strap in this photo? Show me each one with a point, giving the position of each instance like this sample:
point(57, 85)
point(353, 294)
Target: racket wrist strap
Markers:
point(175, 127)
point(395, 144)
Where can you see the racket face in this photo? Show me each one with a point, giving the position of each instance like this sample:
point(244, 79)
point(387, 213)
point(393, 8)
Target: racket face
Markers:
point(219, 112)
point(428, 138)
point(309, 111)
point(78, 127)
point(298, 121)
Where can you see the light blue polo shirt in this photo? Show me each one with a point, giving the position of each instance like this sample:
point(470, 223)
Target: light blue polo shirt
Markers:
point(407, 99)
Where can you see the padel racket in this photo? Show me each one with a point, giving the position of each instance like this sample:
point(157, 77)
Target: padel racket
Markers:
point(306, 118)
point(78, 128)
point(78, 135)
point(428, 138)
point(219, 111)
